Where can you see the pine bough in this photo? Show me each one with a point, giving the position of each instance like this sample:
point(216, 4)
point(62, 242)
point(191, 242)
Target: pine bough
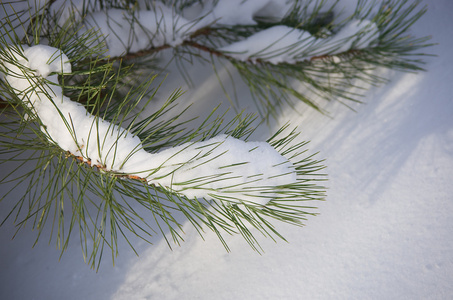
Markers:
point(73, 123)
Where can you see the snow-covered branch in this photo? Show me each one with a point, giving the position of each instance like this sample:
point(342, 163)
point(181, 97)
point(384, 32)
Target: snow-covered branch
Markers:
point(283, 44)
point(126, 32)
point(219, 168)
point(112, 150)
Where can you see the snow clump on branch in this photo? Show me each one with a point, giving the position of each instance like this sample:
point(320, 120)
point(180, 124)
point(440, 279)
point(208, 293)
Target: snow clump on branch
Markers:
point(240, 12)
point(130, 31)
point(127, 31)
point(283, 44)
point(220, 168)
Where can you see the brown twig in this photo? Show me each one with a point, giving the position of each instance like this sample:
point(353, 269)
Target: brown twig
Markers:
point(99, 166)
point(204, 48)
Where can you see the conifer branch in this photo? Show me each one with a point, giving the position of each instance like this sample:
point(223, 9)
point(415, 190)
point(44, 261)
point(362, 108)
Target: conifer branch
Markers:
point(86, 153)
point(389, 46)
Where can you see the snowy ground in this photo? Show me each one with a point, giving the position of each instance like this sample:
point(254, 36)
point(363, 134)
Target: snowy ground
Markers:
point(385, 231)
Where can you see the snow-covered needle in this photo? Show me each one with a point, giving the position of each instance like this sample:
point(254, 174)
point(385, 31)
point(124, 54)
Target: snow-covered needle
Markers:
point(222, 167)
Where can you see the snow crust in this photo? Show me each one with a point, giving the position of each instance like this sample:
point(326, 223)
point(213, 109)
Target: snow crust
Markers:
point(281, 43)
point(219, 168)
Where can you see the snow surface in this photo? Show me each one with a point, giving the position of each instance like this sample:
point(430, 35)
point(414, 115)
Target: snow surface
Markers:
point(385, 231)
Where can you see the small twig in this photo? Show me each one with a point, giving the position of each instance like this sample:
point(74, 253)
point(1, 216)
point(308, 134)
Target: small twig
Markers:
point(141, 53)
point(88, 162)
point(205, 49)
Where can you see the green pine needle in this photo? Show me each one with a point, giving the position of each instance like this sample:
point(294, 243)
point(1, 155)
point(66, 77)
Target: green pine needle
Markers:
point(47, 187)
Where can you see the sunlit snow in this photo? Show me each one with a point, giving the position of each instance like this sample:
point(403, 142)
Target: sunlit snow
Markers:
point(281, 43)
point(219, 168)
point(385, 231)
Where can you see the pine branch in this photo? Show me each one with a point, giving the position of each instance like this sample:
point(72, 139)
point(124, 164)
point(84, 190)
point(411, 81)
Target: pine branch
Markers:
point(98, 194)
point(387, 45)
point(87, 155)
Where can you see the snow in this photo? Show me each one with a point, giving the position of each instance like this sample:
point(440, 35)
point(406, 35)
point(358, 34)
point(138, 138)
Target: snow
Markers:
point(383, 233)
point(240, 12)
point(204, 176)
point(64, 10)
point(46, 60)
point(211, 169)
point(19, 13)
point(280, 44)
point(356, 34)
point(152, 28)
point(136, 30)
point(125, 31)
point(275, 45)
point(140, 29)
